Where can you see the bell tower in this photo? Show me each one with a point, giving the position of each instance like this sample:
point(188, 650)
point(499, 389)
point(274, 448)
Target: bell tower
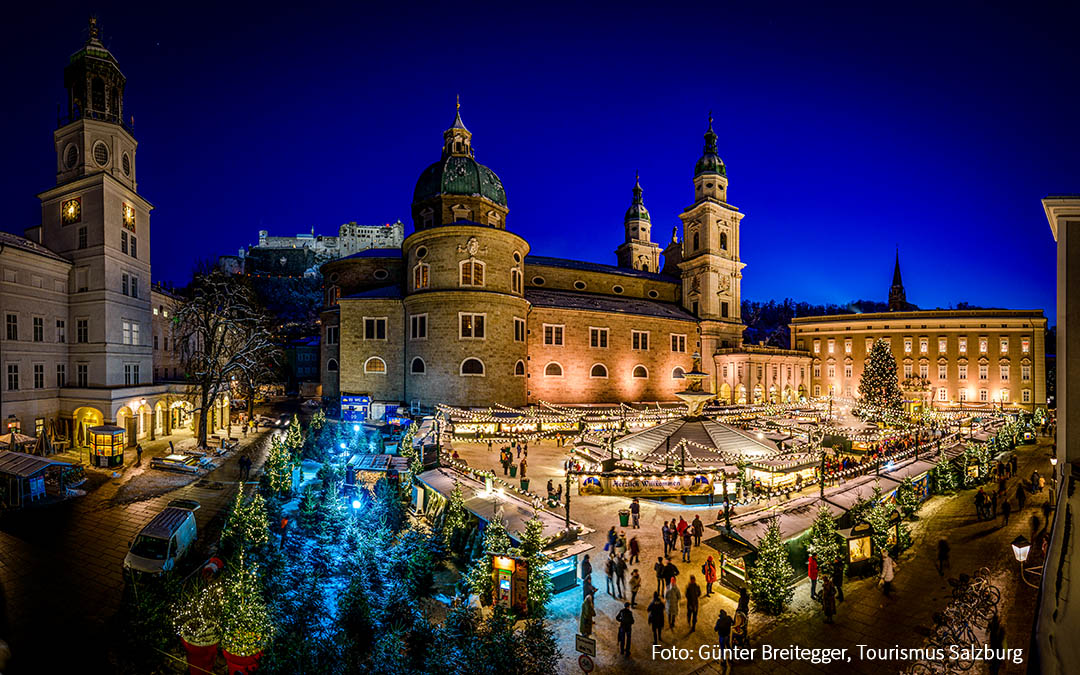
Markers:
point(637, 250)
point(710, 267)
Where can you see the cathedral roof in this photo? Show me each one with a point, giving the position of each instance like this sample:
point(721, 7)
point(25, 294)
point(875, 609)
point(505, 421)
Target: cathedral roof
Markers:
point(591, 302)
point(375, 253)
point(459, 175)
point(15, 241)
point(566, 263)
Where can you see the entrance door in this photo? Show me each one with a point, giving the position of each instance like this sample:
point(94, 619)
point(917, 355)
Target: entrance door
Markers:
point(131, 425)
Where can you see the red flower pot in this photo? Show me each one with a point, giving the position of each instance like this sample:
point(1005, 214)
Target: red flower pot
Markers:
point(242, 665)
point(200, 658)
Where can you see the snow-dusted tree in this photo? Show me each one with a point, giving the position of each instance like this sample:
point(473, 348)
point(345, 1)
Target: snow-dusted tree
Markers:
point(247, 526)
point(531, 549)
point(497, 541)
point(224, 336)
point(771, 575)
point(879, 389)
point(824, 541)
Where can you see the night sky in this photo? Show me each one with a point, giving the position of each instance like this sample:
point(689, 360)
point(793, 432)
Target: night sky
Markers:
point(846, 133)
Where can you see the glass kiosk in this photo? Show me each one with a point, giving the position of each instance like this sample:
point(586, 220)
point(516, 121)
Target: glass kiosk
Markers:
point(106, 446)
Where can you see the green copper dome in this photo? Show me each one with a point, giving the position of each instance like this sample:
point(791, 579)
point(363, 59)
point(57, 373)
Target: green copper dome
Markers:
point(459, 175)
point(637, 210)
point(710, 161)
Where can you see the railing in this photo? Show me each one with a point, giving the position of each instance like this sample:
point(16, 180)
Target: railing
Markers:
point(112, 118)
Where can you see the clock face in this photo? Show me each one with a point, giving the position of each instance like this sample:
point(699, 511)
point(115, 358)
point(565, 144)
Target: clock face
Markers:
point(71, 211)
point(129, 217)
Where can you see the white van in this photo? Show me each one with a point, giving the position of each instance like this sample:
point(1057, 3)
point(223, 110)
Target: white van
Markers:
point(164, 540)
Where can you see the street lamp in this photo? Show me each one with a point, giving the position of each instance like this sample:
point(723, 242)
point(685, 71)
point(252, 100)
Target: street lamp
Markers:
point(1021, 547)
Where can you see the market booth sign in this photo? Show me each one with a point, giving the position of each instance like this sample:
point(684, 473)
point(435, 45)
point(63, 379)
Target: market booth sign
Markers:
point(645, 486)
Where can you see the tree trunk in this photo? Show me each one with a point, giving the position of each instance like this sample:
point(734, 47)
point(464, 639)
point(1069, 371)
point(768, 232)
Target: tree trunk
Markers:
point(204, 409)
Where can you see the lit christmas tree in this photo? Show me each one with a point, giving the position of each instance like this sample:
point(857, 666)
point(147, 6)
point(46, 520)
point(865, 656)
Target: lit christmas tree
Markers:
point(277, 470)
point(531, 549)
point(318, 419)
point(455, 514)
point(907, 498)
point(497, 541)
point(771, 575)
point(294, 439)
point(824, 541)
point(247, 525)
point(943, 477)
point(879, 389)
point(197, 614)
point(245, 627)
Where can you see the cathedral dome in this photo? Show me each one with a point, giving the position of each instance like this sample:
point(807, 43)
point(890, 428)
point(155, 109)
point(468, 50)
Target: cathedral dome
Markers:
point(459, 175)
point(637, 210)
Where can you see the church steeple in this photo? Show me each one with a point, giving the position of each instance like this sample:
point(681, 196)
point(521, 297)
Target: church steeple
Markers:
point(637, 250)
point(457, 140)
point(897, 297)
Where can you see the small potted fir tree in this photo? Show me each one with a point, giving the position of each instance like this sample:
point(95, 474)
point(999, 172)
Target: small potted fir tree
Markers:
point(245, 623)
point(197, 617)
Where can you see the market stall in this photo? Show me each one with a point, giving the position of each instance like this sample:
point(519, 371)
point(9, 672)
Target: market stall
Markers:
point(27, 478)
point(106, 446)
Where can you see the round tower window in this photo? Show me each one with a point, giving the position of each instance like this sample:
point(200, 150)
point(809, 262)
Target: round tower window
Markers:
point(381, 274)
point(421, 252)
point(580, 285)
point(71, 156)
point(654, 294)
point(101, 153)
point(538, 281)
point(517, 257)
point(125, 162)
point(617, 289)
point(334, 277)
point(708, 185)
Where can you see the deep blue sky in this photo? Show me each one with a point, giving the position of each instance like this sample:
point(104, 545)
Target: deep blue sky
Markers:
point(846, 131)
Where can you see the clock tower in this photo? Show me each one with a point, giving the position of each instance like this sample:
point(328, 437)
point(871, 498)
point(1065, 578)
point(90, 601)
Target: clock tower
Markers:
point(637, 250)
point(710, 267)
point(95, 218)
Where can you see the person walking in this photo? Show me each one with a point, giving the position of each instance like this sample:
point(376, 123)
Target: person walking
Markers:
point(980, 504)
point(672, 598)
point(838, 578)
point(620, 544)
point(611, 538)
point(687, 538)
point(723, 634)
point(670, 572)
point(681, 527)
point(138, 453)
point(828, 599)
point(888, 571)
point(996, 632)
point(635, 550)
point(1006, 509)
point(609, 572)
point(942, 557)
point(693, 594)
point(635, 586)
point(587, 586)
point(1034, 525)
point(699, 529)
point(666, 534)
point(812, 572)
point(708, 571)
point(585, 618)
point(625, 619)
point(1012, 462)
point(620, 576)
point(524, 465)
point(655, 611)
point(586, 566)
point(658, 568)
point(635, 513)
point(1021, 496)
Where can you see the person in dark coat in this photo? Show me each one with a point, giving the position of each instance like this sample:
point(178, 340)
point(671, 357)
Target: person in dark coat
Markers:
point(1006, 509)
point(692, 594)
point(942, 557)
point(586, 567)
point(625, 618)
point(1021, 496)
point(655, 611)
point(828, 599)
point(635, 513)
point(635, 550)
point(658, 568)
point(723, 631)
point(670, 572)
point(687, 539)
point(698, 529)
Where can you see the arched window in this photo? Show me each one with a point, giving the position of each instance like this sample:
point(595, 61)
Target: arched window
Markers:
point(697, 241)
point(332, 295)
point(471, 273)
point(418, 366)
point(519, 368)
point(331, 366)
point(375, 366)
point(723, 240)
point(598, 370)
point(420, 276)
point(472, 367)
point(515, 280)
point(678, 373)
point(97, 94)
point(553, 369)
point(641, 372)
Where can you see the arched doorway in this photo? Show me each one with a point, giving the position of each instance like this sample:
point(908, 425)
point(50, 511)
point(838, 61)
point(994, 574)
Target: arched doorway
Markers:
point(144, 417)
point(126, 420)
point(725, 393)
point(84, 418)
point(758, 393)
point(772, 393)
point(802, 392)
point(180, 415)
point(740, 394)
point(160, 415)
point(789, 395)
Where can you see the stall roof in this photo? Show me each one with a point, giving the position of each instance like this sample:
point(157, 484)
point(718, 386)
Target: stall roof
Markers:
point(795, 517)
point(728, 546)
point(650, 446)
point(365, 462)
point(24, 465)
point(845, 496)
point(911, 469)
point(516, 511)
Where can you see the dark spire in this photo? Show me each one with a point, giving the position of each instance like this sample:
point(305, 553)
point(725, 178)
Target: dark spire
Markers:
point(710, 161)
point(637, 189)
point(897, 297)
point(896, 271)
point(710, 139)
point(637, 210)
point(458, 124)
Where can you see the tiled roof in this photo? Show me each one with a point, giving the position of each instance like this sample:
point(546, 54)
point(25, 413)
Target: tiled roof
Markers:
point(392, 291)
point(605, 303)
point(8, 239)
point(375, 253)
point(596, 267)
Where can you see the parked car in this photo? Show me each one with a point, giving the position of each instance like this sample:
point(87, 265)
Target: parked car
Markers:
point(165, 540)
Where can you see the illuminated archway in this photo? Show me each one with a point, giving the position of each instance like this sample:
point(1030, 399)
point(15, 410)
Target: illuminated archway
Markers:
point(740, 394)
point(125, 419)
point(725, 393)
point(161, 413)
point(758, 393)
point(84, 418)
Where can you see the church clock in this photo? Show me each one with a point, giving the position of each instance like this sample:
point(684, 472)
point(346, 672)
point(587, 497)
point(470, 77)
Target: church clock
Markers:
point(71, 211)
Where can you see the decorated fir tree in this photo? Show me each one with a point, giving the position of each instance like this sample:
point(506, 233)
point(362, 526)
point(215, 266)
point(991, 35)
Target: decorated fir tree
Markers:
point(294, 439)
point(879, 389)
point(943, 476)
point(531, 549)
point(497, 541)
point(771, 575)
point(455, 515)
point(197, 614)
point(824, 541)
point(408, 450)
point(318, 419)
point(879, 516)
point(277, 470)
point(907, 498)
point(247, 526)
point(245, 626)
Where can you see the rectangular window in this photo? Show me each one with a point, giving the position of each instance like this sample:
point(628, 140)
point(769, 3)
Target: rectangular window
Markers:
point(817, 346)
point(155, 342)
point(984, 395)
point(832, 345)
point(869, 344)
point(907, 345)
point(61, 375)
point(472, 273)
point(1004, 373)
point(1004, 345)
point(134, 254)
point(472, 326)
point(39, 329)
point(847, 371)
point(82, 330)
point(515, 280)
point(374, 328)
point(39, 376)
point(942, 345)
point(124, 283)
point(924, 370)
point(678, 343)
point(962, 394)
point(1025, 345)
point(123, 242)
point(126, 332)
point(82, 375)
point(924, 345)
point(817, 390)
point(639, 339)
point(817, 371)
point(830, 371)
point(598, 338)
point(418, 327)
point(134, 286)
point(61, 331)
point(128, 374)
point(519, 329)
point(1004, 396)
point(942, 372)
point(942, 394)
point(12, 327)
point(82, 237)
point(984, 371)
point(1025, 396)
point(847, 346)
point(962, 371)
point(332, 336)
point(983, 345)
point(724, 371)
point(723, 309)
point(907, 370)
point(962, 345)
point(553, 335)
point(420, 276)
point(1025, 373)
point(13, 377)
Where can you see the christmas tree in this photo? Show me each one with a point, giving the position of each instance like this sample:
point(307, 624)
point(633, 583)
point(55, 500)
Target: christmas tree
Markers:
point(197, 614)
point(879, 390)
point(318, 419)
point(943, 476)
point(531, 549)
point(245, 625)
point(277, 470)
point(496, 541)
point(907, 498)
point(294, 439)
point(455, 514)
point(824, 541)
point(247, 525)
point(771, 575)
point(879, 516)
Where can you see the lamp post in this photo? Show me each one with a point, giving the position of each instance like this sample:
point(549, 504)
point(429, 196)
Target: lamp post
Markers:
point(1021, 547)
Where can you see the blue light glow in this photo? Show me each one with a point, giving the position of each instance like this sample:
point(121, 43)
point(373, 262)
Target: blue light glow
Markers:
point(356, 503)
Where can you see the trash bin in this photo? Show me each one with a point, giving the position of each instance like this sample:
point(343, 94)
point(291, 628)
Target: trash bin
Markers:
point(624, 517)
point(524, 483)
point(513, 470)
